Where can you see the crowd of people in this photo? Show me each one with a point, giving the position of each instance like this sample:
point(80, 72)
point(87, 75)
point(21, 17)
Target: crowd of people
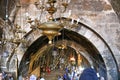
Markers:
point(74, 74)
point(87, 74)
point(6, 76)
point(70, 74)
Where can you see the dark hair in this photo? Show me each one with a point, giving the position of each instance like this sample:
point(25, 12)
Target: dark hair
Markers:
point(88, 74)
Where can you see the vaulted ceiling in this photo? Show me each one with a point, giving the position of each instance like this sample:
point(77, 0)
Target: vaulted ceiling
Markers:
point(11, 4)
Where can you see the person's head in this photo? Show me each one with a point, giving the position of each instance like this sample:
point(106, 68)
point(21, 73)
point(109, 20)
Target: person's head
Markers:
point(27, 78)
point(88, 74)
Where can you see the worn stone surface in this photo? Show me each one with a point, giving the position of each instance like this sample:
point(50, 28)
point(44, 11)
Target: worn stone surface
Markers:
point(99, 16)
point(103, 20)
point(116, 6)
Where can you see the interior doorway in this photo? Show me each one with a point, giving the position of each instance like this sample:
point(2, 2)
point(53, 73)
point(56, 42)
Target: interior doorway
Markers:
point(69, 51)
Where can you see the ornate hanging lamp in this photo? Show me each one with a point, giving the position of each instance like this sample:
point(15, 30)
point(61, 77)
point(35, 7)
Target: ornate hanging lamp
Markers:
point(52, 28)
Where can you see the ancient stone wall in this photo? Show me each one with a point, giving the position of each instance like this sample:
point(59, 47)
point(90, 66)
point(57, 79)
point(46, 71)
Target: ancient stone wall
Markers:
point(97, 14)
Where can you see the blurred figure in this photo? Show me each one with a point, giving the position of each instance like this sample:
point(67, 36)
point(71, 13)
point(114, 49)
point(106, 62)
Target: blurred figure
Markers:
point(60, 77)
point(26, 78)
point(33, 77)
point(88, 74)
point(42, 78)
point(0, 76)
point(102, 78)
point(10, 77)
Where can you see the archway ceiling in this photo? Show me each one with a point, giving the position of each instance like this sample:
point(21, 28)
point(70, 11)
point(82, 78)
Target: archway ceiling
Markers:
point(69, 36)
point(40, 47)
point(11, 4)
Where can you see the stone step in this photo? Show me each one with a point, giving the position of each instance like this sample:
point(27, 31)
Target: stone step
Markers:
point(53, 75)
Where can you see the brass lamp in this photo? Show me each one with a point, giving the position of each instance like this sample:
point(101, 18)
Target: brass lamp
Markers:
point(50, 29)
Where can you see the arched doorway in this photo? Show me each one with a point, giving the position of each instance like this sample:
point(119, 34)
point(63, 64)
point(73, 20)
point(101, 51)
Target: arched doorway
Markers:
point(81, 39)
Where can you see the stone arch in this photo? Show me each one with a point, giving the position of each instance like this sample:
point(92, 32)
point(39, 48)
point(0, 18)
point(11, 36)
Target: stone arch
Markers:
point(93, 37)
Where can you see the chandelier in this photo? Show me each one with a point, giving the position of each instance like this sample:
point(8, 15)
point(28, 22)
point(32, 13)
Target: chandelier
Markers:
point(11, 33)
point(50, 28)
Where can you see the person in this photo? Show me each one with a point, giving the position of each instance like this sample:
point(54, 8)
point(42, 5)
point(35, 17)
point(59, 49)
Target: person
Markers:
point(10, 77)
point(26, 78)
point(0, 75)
point(4, 75)
point(88, 74)
point(77, 77)
point(66, 77)
point(60, 77)
point(33, 77)
point(38, 78)
point(102, 78)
